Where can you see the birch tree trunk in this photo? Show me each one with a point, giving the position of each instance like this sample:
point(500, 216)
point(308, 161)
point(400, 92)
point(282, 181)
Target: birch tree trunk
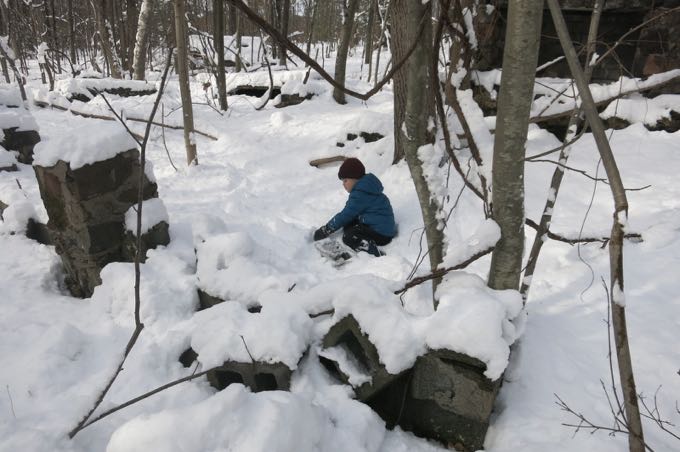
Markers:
point(636, 442)
point(142, 39)
point(183, 71)
point(343, 49)
point(520, 56)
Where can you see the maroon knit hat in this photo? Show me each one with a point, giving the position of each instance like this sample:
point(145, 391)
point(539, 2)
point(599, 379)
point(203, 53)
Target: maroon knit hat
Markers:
point(351, 169)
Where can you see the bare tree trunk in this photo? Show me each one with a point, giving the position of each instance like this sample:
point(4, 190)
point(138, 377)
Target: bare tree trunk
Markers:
point(311, 18)
point(368, 53)
point(142, 39)
point(343, 49)
point(419, 109)
point(132, 23)
point(399, 46)
point(218, 38)
point(636, 442)
point(556, 181)
point(520, 57)
point(183, 71)
point(71, 33)
point(105, 38)
point(4, 32)
point(285, 12)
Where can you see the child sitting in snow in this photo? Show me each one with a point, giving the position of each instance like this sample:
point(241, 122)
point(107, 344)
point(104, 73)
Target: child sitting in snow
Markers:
point(367, 217)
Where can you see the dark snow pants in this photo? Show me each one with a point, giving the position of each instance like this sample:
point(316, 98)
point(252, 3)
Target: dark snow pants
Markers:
point(360, 237)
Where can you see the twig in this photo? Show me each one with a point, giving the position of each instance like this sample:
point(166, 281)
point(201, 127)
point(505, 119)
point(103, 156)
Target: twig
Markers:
point(146, 395)
point(165, 144)
point(246, 346)
point(532, 224)
point(268, 94)
point(443, 271)
point(139, 326)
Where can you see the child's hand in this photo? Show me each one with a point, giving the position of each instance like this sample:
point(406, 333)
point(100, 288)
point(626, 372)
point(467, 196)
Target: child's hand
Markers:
point(321, 233)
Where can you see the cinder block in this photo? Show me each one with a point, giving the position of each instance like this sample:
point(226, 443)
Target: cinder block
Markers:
point(258, 376)
point(345, 339)
point(445, 397)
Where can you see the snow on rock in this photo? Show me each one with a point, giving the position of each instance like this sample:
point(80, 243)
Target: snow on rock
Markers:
point(642, 110)
point(367, 121)
point(228, 332)
point(86, 86)
point(16, 117)
point(471, 319)
point(296, 86)
point(16, 216)
point(10, 95)
point(153, 212)
point(475, 320)
point(84, 146)
point(230, 267)
point(6, 158)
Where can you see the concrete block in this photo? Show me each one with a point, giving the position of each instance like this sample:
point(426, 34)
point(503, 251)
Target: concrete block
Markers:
point(258, 376)
point(349, 354)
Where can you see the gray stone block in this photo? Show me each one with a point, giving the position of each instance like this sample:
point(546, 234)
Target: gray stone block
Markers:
point(346, 339)
point(86, 208)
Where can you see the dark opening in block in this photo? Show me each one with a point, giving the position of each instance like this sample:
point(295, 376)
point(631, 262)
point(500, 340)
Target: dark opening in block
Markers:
point(224, 378)
point(266, 382)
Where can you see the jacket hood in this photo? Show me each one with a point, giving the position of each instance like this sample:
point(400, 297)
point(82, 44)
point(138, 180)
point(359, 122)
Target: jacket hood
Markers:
point(369, 184)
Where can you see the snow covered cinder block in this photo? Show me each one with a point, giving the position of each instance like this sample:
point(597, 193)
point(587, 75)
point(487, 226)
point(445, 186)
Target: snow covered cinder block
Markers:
point(259, 350)
point(349, 354)
point(448, 398)
point(88, 183)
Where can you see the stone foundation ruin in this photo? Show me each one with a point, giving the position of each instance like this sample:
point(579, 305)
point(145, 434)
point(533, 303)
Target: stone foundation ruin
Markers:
point(87, 208)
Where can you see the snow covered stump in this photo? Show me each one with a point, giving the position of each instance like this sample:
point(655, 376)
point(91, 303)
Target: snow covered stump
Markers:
point(89, 186)
point(348, 353)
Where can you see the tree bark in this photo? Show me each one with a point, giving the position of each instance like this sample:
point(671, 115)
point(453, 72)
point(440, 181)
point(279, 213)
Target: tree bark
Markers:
point(399, 22)
point(636, 442)
point(218, 39)
point(132, 22)
point(142, 39)
point(417, 133)
point(368, 53)
point(105, 38)
point(285, 12)
point(343, 49)
point(183, 71)
point(520, 57)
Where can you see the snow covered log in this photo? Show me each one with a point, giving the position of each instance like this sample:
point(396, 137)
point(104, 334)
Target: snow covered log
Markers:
point(88, 187)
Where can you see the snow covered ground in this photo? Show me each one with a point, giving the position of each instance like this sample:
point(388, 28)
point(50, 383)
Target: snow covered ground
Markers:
point(247, 211)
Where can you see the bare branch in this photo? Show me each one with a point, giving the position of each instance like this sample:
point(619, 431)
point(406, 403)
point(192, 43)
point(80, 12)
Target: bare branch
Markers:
point(443, 271)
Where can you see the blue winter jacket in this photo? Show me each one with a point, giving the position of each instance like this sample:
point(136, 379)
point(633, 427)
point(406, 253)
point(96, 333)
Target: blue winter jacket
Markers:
point(368, 204)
